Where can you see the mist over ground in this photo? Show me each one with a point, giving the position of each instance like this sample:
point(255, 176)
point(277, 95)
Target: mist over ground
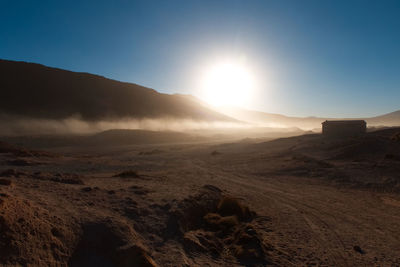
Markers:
point(16, 125)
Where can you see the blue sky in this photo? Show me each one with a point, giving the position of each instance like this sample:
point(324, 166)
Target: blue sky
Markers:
point(310, 58)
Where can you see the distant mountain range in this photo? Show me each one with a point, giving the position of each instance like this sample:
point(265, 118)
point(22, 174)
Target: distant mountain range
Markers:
point(307, 123)
point(34, 91)
point(390, 119)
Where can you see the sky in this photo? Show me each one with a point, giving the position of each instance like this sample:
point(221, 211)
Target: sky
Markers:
point(309, 58)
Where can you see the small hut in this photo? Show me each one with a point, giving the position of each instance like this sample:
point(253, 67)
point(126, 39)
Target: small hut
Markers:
point(344, 128)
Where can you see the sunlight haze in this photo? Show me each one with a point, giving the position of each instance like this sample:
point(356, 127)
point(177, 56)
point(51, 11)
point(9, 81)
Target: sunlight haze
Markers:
point(228, 83)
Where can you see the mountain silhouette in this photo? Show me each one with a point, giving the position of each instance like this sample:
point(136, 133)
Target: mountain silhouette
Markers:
point(36, 91)
point(278, 120)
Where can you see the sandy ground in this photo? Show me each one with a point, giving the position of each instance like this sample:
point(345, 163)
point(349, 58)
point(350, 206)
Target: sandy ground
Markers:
point(303, 200)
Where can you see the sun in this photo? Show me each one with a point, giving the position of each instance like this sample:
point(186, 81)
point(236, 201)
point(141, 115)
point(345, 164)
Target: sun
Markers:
point(228, 84)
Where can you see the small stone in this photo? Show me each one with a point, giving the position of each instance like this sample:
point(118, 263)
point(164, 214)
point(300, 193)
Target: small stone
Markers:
point(359, 249)
point(87, 189)
point(5, 182)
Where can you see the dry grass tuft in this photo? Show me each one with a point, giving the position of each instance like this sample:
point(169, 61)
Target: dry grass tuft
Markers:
point(228, 222)
point(396, 137)
point(5, 182)
point(216, 221)
point(230, 206)
point(248, 246)
point(215, 153)
point(212, 219)
point(11, 173)
point(127, 174)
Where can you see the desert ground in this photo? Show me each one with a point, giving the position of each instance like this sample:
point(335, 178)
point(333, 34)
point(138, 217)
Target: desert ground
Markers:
point(294, 201)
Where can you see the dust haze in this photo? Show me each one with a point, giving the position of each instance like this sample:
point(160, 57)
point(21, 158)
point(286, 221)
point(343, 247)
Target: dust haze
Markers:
point(11, 125)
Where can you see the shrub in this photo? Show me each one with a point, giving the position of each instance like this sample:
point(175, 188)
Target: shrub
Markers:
point(228, 222)
point(212, 219)
point(229, 206)
point(217, 222)
point(215, 153)
point(5, 182)
point(127, 174)
point(396, 137)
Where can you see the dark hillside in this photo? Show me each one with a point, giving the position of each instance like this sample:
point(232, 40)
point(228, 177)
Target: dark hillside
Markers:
point(36, 91)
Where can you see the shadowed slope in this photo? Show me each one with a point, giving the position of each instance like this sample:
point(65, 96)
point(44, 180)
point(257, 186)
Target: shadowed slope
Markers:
point(36, 91)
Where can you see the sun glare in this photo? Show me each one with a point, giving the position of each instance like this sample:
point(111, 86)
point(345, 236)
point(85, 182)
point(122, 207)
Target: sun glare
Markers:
point(228, 84)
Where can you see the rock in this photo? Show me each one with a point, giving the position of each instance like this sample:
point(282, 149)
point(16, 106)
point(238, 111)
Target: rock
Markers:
point(128, 174)
point(87, 189)
point(5, 182)
point(359, 249)
point(21, 162)
point(11, 173)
